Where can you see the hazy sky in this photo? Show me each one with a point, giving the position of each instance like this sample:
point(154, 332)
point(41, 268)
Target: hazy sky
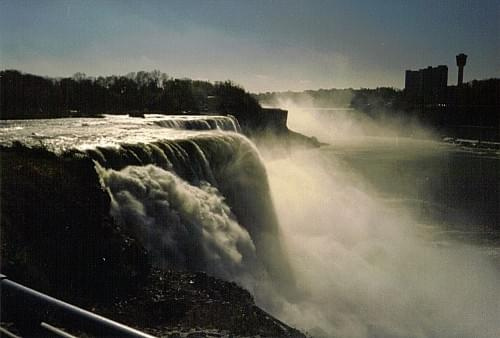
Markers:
point(262, 45)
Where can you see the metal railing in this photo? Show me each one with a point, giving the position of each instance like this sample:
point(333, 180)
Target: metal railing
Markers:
point(74, 318)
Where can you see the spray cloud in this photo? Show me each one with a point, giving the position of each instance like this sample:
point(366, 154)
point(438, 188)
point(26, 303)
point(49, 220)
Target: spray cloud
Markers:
point(364, 263)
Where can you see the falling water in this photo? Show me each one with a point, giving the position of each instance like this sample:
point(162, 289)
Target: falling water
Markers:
point(340, 241)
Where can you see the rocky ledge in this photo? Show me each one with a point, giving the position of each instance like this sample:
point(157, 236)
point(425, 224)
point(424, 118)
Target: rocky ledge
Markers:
point(169, 304)
point(174, 303)
point(59, 239)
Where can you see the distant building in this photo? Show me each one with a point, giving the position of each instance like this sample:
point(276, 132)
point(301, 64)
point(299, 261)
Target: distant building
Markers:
point(461, 61)
point(413, 83)
point(427, 85)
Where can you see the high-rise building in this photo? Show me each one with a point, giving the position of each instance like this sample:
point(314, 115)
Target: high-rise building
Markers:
point(413, 83)
point(427, 85)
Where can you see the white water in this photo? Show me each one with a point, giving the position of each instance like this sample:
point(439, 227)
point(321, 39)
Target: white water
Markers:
point(363, 268)
point(365, 265)
point(183, 226)
point(196, 199)
point(58, 135)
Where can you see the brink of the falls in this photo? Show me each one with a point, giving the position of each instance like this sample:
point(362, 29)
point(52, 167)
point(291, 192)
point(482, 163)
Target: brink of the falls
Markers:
point(94, 209)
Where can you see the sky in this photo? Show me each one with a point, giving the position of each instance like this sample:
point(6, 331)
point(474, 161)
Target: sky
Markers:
point(273, 45)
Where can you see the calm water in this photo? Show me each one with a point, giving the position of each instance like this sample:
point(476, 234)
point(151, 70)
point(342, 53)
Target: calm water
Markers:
point(389, 236)
point(455, 190)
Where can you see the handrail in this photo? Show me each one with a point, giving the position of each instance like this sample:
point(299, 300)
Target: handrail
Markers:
point(83, 319)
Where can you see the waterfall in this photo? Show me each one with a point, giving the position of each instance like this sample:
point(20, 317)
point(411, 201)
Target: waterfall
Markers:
point(97, 200)
point(183, 225)
point(201, 203)
point(191, 190)
point(227, 123)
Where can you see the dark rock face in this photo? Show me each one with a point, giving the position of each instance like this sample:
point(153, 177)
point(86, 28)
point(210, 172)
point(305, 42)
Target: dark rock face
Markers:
point(183, 303)
point(58, 238)
point(56, 230)
point(274, 119)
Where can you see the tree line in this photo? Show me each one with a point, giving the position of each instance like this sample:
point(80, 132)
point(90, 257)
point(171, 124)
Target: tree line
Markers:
point(25, 96)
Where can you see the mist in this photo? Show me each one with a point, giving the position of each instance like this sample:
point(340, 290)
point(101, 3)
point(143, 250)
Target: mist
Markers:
point(339, 123)
point(365, 264)
point(342, 240)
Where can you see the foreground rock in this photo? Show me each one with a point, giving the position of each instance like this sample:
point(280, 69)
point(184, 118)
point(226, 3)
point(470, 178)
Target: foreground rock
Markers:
point(186, 303)
point(171, 303)
point(59, 239)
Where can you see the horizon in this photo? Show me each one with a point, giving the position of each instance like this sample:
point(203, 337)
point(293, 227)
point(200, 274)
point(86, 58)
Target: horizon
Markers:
point(263, 46)
point(237, 84)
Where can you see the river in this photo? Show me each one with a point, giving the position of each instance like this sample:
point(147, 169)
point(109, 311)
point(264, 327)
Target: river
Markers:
point(389, 236)
point(372, 235)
